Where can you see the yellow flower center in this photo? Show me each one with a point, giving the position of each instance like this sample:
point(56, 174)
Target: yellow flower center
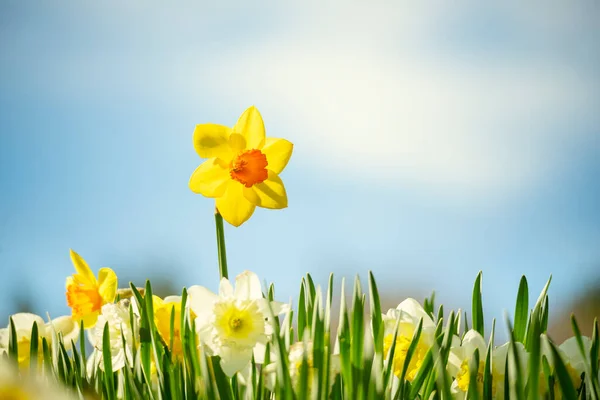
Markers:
point(241, 323)
point(249, 167)
point(400, 351)
point(463, 377)
point(83, 300)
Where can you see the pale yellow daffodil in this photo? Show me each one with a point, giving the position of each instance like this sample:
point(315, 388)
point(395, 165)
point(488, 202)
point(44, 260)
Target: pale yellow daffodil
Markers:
point(243, 166)
point(85, 294)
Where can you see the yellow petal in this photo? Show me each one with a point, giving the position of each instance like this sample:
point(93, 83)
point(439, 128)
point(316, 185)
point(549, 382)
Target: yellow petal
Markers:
point(90, 319)
point(233, 206)
point(251, 126)
point(210, 178)
point(268, 194)
point(278, 152)
point(107, 284)
point(86, 276)
point(212, 140)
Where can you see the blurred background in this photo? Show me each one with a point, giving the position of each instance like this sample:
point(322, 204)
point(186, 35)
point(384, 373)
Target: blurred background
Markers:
point(431, 142)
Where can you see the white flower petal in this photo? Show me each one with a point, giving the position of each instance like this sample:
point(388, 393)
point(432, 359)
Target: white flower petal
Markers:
point(201, 302)
point(234, 359)
point(65, 325)
point(247, 286)
point(225, 288)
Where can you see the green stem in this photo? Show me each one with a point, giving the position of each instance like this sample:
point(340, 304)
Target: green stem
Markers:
point(221, 245)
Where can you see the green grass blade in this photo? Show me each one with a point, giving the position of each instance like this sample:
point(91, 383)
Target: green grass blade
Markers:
point(477, 306)
point(33, 348)
point(521, 311)
point(473, 392)
point(109, 382)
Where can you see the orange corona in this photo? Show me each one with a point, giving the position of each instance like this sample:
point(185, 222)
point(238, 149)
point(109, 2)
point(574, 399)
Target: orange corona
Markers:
point(249, 168)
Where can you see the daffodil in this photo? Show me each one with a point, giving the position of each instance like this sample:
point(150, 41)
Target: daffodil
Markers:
point(460, 358)
point(409, 313)
point(117, 316)
point(163, 309)
point(85, 294)
point(23, 322)
point(243, 166)
point(236, 322)
point(572, 358)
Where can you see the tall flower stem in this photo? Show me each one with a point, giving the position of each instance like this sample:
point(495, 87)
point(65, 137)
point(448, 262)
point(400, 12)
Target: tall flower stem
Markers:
point(221, 245)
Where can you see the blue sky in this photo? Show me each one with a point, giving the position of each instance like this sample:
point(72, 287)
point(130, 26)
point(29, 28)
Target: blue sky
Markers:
point(430, 143)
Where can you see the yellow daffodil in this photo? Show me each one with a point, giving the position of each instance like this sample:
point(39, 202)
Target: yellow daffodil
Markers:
point(409, 313)
point(243, 166)
point(163, 308)
point(85, 294)
point(23, 322)
point(236, 323)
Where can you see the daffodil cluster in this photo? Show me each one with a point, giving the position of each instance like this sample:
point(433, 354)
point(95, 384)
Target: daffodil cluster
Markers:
point(241, 339)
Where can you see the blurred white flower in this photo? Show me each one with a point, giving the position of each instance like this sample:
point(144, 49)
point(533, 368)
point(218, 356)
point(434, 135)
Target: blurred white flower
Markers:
point(64, 326)
point(236, 322)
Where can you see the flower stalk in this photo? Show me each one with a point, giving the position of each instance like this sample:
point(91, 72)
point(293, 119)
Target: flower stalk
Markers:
point(222, 252)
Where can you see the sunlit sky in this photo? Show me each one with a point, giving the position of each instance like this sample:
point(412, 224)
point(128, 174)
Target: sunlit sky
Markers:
point(430, 143)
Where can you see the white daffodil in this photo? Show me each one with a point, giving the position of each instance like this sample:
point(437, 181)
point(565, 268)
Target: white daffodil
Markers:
point(236, 322)
point(572, 358)
point(64, 326)
point(409, 313)
point(119, 327)
point(461, 355)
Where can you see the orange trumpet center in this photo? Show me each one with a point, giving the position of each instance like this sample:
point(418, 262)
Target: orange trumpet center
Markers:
point(83, 300)
point(249, 167)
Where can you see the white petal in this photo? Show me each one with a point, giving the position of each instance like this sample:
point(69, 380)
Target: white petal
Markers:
point(473, 340)
point(247, 286)
point(571, 348)
point(24, 321)
point(499, 356)
point(259, 353)
point(172, 299)
point(93, 362)
point(225, 288)
point(412, 308)
point(67, 327)
point(234, 359)
point(4, 338)
point(201, 302)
